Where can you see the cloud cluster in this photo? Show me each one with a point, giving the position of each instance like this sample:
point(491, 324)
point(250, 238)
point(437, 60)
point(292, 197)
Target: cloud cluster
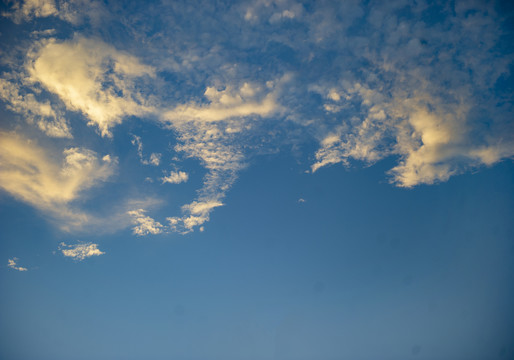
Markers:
point(13, 264)
point(368, 80)
point(419, 98)
point(80, 251)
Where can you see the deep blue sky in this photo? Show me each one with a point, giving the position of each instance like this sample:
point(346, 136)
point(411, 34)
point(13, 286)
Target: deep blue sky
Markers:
point(256, 180)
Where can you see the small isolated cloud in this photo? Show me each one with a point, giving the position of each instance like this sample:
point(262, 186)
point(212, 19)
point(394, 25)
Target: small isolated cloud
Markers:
point(80, 251)
point(301, 201)
point(155, 158)
point(175, 177)
point(13, 264)
point(144, 224)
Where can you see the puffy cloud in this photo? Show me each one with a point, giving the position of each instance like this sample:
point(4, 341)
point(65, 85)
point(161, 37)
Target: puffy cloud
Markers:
point(80, 251)
point(91, 77)
point(29, 173)
point(13, 264)
point(175, 177)
point(144, 224)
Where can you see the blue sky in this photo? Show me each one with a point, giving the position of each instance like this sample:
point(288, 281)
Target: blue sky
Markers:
point(256, 180)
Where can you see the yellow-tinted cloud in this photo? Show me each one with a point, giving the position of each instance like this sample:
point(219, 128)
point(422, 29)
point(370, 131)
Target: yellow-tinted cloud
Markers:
point(29, 173)
point(80, 251)
point(91, 77)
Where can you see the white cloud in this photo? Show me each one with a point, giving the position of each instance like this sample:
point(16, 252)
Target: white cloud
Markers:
point(91, 77)
point(144, 224)
point(31, 174)
point(13, 264)
point(175, 177)
point(80, 251)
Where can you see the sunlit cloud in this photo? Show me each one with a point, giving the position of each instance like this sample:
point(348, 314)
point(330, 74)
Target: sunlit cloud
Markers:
point(29, 173)
point(143, 224)
point(154, 159)
point(37, 112)
point(13, 264)
point(80, 251)
point(92, 77)
point(419, 92)
point(175, 177)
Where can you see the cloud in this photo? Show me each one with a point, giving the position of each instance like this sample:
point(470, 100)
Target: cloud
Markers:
point(367, 80)
point(175, 177)
point(80, 251)
point(31, 174)
point(155, 158)
point(72, 11)
point(29, 9)
point(91, 77)
point(34, 111)
point(213, 133)
point(420, 99)
point(13, 264)
point(144, 224)
point(231, 102)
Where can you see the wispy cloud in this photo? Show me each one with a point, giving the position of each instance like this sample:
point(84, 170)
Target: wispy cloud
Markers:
point(210, 134)
point(41, 113)
point(72, 11)
point(29, 173)
point(155, 158)
point(80, 251)
point(13, 264)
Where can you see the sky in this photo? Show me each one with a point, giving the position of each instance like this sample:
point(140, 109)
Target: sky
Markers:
point(266, 179)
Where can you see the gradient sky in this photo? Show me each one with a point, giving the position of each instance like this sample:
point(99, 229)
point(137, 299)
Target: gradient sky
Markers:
point(267, 179)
